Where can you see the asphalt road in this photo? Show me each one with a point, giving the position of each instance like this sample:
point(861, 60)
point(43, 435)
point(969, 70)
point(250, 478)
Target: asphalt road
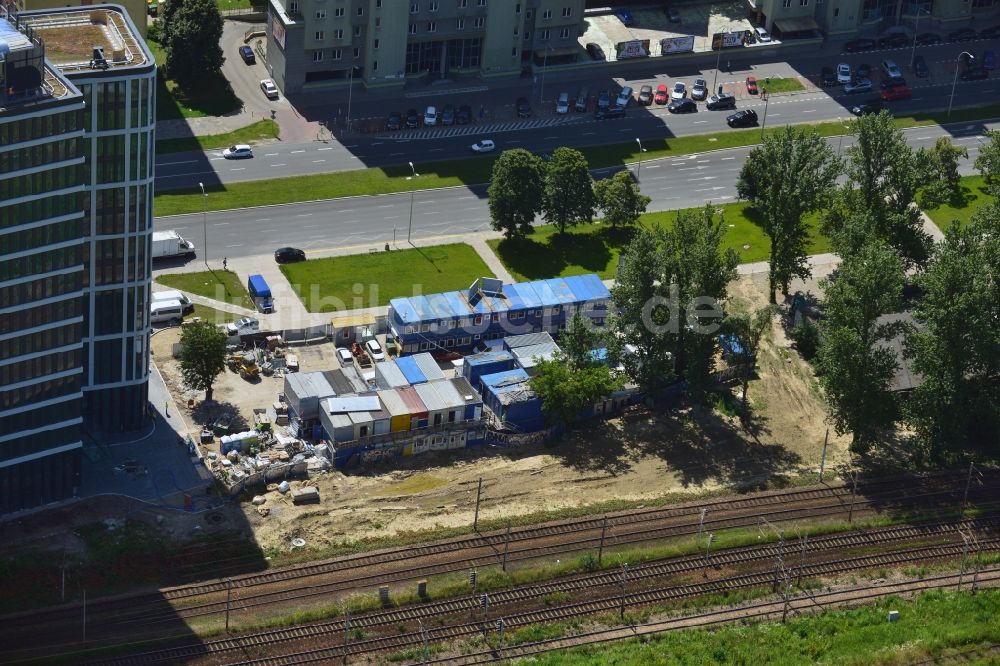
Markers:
point(322, 226)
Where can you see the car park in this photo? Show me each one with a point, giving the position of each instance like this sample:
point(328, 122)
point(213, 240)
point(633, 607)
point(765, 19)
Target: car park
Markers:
point(412, 119)
point(464, 115)
point(448, 115)
point(345, 356)
point(683, 105)
point(375, 350)
point(928, 39)
point(673, 15)
point(247, 54)
point(603, 100)
point(751, 85)
point(723, 101)
point(613, 112)
point(962, 35)
point(523, 107)
point(867, 108)
point(975, 74)
point(859, 86)
point(595, 51)
point(989, 60)
point(699, 90)
point(625, 16)
point(844, 73)
point(761, 34)
point(237, 152)
point(863, 71)
point(744, 118)
point(896, 93)
point(920, 67)
point(856, 45)
point(270, 90)
point(484, 146)
point(562, 104)
point(624, 97)
point(646, 95)
point(395, 121)
point(288, 255)
point(582, 100)
point(679, 91)
point(662, 94)
point(827, 76)
point(895, 40)
point(430, 116)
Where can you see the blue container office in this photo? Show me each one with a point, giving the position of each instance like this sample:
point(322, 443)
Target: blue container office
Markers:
point(486, 363)
point(509, 396)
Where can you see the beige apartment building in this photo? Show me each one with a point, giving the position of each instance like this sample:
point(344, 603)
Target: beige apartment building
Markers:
point(317, 44)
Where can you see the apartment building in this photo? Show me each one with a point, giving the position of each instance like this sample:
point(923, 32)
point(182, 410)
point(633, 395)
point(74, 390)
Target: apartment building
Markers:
point(319, 44)
point(869, 17)
point(77, 105)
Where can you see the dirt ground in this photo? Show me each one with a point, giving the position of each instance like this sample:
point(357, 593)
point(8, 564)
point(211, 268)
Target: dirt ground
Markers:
point(637, 456)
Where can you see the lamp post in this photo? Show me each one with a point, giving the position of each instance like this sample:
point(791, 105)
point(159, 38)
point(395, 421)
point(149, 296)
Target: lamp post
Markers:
point(409, 229)
point(350, 94)
point(204, 220)
point(951, 99)
point(718, 62)
point(545, 63)
point(638, 169)
point(916, 24)
point(764, 120)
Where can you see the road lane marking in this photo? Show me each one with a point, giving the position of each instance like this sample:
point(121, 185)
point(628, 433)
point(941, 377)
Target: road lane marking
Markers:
point(728, 158)
point(318, 149)
point(698, 122)
point(263, 219)
point(240, 169)
point(318, 161)
point(809, 111)
point(377, 143)
point(270, 154)
point(279, 164)
point(237, 245)
point(396, 154)
point(392, 217)
point(297, 151)
point(387, 206)
point(653, 166)
point(304, 215)
point(220, 224)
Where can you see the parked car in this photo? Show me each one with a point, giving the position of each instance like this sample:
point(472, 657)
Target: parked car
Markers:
point(856, 45)
point(375, 350)
point(892, 81)
point(625, 16)
point(595, 51)
point(990, 33)
point(827, 76)
point(744, 118)
point(751, 85)
point(287, 255)
point(896, 93)
point(562, 104)
point(484, 146)
point(523, 107)
point(895, 40)
point(920, 67)
point(345, 356)
point(683, 105)
point(237, 152)
point(761, 34)
point(624, 97)
point(244, 326)
point(891, 69)
point(962, 35)
point(662, 93)
point(412, 119)
point(247, 54)
point(859, 86)
point(464, 115)
point(646, 95)
point(700, 89)
point(673, 15)
point(844, 73)
point(448, 115)
point(723, 101)
point(864, 71)
point(975, 74)
point(866, 108)
point(430, 116)
point(928, 39)
point(679, 91)
point(603, 100)
point(989, 60)
point(395, 121)
point(613, 112)
point(270, 90)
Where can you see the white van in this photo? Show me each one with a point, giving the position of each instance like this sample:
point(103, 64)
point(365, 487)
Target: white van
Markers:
point(166, 312)
point(174, 295)
point(761, 34)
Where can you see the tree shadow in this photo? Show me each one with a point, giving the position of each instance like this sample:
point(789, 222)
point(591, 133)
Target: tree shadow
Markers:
point(222, 414)
point(537, 260)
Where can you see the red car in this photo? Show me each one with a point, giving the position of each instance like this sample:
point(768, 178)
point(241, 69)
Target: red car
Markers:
point(898, 92)
point(662, 94)
point(751, 85)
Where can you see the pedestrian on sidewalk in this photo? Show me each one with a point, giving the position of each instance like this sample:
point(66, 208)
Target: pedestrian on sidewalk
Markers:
point(729, 67)
point(225, 264)
point(166, 409)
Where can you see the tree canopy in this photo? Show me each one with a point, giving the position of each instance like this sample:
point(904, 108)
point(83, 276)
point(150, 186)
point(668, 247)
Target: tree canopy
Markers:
point(988, 160)
point(620, 199)
point(515, 193)
point(193, 29)
point(569, 189)
point(203, 356)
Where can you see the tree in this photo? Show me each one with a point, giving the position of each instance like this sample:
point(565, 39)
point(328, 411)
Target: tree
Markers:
point(578, 341)
point(193, 31)
point(567, 391)
point(790, 175)
point(988, 161)
point(855, 368)
point(203, 356)
point(943, 183)
point(515, 192)
point(569, 189)
point(620, 199)
point(748, 330)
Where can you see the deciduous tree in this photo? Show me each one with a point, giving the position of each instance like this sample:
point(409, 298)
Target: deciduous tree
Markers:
point(748, 330)
point(988, 160)
point(567, 391)
point(515, 192)
point(203, 356)
point(193, 31)
point(620, 200)
point(943, 183)
point(569, 189)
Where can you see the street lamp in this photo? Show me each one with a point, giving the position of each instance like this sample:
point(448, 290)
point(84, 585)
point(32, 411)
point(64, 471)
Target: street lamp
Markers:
point(545, 63)
point(409, 229)
point(916, 24)
point(350, 93)
point(638, 169)
point(958, 60)
point(204, 220)
point(718, 62)
point(764, 120)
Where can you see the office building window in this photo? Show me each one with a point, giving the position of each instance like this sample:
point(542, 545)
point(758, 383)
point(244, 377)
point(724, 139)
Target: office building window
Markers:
point(545, 35)
point(431, 26)
point(293, 8)
point(462, 4)
point(567, 12)
point(434, 6)
point(482, 3)
point(413, 28)
point(361, 11)
point(414, 7)
point(546, 15)
point(786, 3)
point(357, 52)
point(375, 44)
point(803, 3)
point(317, 56)
point(357, 31)
point(564, 33)
point(375, 65)
point(339, 12)
point(319, 35)
point(460, 24)
point(321, 14)
point(517, 8)
point(337, 54)
point(480, 22)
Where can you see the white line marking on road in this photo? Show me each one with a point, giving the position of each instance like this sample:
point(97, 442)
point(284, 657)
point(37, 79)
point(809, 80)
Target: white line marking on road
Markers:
point(427, 202)
point(387, 206)
point(728, 158)
point(347, 210)
point(432, 212)
point(435, 150)
point(262, 219)
point(396, 154)
point(237, 245)
point(318, 149)
point(378, 143)
point(924, 138)
point(469, 208)
point(775, 115)
point(703, 161)
point(172, 163)
point(698, 122)
point(392, 217)
point(549, 137)
point(589, 133)
point(516, 141)
point(240, 169)
point(219, 224)
point(351, 146)
point(350, 221)
point(279, 164)
point(304, 215)
point(809, 111)
point(297, 151)
point(654, 166)
point(270, 154)
point(318, 161)
point(310, 226)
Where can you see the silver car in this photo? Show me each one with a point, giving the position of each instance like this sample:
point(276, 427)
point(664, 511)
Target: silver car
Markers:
point(859, 86)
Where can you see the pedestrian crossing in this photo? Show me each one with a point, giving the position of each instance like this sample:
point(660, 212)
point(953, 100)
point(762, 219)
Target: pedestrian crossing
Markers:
point(482, 130)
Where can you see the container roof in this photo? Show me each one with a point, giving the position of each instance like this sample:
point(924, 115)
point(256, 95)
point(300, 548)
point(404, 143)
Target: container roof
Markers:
point(308, 385)
point(365, 403)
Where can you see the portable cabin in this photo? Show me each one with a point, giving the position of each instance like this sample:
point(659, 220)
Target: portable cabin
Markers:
point(304, 391)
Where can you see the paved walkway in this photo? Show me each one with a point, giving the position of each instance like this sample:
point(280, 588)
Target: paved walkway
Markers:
point(207, 125)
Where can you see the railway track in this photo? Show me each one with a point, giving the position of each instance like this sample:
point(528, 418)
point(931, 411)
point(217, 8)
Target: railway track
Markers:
point(577, 585)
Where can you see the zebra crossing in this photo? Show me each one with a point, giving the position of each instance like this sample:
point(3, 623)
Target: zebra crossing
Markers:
point(493, 128)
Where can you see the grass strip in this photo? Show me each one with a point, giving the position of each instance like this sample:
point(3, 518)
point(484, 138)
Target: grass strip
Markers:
point(262, 130)
point(357, 281)
point(477, 170)
point(780, 85)
point(222, 286)
point(975, 195)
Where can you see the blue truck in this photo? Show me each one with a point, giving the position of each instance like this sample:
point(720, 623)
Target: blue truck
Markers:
point(260, 293)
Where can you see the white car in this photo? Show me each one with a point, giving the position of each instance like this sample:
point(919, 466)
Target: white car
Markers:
point(345, 356)
point(484, 146)
point(375, 350)
point(244, 326)
point(431, 116)
point(843, 73)
point(679, 91)
point(562, 104)
point(270, 90)
point(239, 151)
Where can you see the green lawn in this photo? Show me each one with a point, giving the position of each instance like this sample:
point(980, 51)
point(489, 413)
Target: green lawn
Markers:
point(221, 285)
point(369, 280)
point(214, 96)
point(779, 85)
point(477, 170)
point(233, 4)
point(974, 197)
point(262, 130)
point(594, 248)
point(212, 315)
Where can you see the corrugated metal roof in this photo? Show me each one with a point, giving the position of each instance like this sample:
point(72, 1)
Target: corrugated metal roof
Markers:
point(340, 383)
point(393, 403)
point(485, 358)
point(428, 366)
point(449, 393)
point(388, 375)
point(526, 355)
point(499, 379)
point(339, 421)
point(512, 342)
point(430, 394)
point(413, 401)
point(510, 386)
point(305, 385)
point(409, 368)
point(351, 374)
point(358, 403)
point(465, 389)
point(360, 418)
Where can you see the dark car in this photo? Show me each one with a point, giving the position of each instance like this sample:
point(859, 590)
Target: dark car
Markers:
point(523, 107)
point(894, 40)
point(722, 101)
point(744, 118)
point(412, 119)
point(990, 33)
point(464, 115)
point(595, 51)
point(869, 107)
point(961, 35)
point(684, 105)
point(613, 112)
point(673, 15)
point(827, 76)
point(603, 100)
point(856, 45)
point(646, 95)
point(448, 115)
point(920, 67)
point(247, 54)
point(395, 121)
point(286, 255)
point(625, 16)
point(864, 71)
point(928, 38)
point(975, 74)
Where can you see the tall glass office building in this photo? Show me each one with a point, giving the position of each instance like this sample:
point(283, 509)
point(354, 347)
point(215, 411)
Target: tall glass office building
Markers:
point(77, 105)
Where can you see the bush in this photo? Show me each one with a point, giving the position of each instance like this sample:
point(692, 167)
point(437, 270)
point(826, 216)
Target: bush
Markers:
point(806, 339)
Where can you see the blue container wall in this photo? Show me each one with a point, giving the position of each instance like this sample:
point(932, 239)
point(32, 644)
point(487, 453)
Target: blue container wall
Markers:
point(473, 372)
point(527, 416)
